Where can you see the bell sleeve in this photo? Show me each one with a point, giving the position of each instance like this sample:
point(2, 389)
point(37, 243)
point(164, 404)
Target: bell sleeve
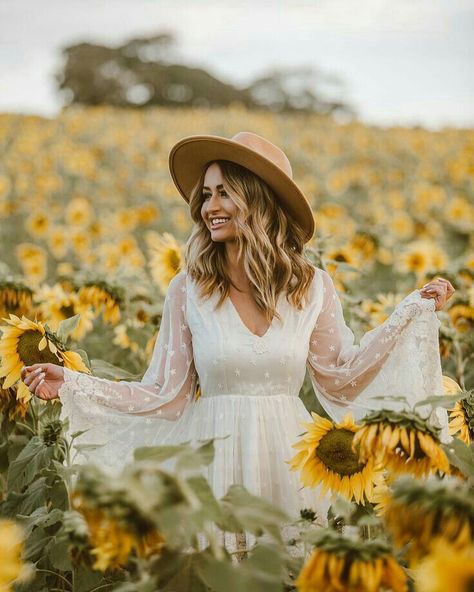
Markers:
point(400, 357)
point(121, 415)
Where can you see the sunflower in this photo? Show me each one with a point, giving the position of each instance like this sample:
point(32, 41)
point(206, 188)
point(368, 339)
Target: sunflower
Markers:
point(364, 245)
point(10, 406)
point(15, 297)
point(344, 254)
point(33, 260)
point(402, 441)
point(462, 414)
point(27, 342)
point(12, 569)
point(380, 309)
point(123, 340)
point(103, 297)
point(341, 564)
point(462, 317)
point(56, 304)
point(446, 568)
point(418, 513)
point(416, 258)
point(166, 258)
point(37, 224)
point(112, 541)
point(326, 458)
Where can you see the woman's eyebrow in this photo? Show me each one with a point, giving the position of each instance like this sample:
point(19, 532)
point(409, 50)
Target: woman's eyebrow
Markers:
point(218, 186)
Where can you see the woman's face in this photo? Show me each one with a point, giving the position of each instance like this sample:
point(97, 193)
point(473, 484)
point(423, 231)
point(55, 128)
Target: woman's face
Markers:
point(218, 210)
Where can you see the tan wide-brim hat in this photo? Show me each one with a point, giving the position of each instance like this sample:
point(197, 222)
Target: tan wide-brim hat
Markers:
point(189, 157)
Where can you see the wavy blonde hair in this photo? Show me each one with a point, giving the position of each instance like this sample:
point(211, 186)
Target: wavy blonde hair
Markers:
point(270, 242)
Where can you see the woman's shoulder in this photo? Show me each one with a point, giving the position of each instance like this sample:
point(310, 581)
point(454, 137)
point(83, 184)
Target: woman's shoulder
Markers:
point(177, 283)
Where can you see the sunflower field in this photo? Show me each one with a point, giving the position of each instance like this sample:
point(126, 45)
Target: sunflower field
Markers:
point(92, 231)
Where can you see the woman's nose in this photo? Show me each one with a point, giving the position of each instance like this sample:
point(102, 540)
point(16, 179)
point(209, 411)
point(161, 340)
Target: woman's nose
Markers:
point(213, 202)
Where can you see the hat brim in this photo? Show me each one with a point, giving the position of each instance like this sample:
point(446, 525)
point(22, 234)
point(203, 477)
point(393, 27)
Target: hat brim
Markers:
point(190, 155)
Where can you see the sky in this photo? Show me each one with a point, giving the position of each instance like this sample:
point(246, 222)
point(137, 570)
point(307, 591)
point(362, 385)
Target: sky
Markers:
point(402, 62)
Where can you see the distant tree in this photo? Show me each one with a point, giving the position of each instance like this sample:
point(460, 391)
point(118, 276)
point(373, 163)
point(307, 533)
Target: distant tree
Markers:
point(299, 89)
point(143, 72)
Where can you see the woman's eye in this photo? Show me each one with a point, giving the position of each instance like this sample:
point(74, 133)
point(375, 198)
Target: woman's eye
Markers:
point(208, 195)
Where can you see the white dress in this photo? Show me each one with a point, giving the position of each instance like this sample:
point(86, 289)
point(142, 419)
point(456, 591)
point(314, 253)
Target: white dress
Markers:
point(250, 385)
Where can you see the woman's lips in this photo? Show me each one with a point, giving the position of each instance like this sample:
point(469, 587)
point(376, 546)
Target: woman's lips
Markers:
point(214, 226)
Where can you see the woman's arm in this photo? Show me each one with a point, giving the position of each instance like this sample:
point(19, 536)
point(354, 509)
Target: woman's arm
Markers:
point(341, 370)
point(166, 387)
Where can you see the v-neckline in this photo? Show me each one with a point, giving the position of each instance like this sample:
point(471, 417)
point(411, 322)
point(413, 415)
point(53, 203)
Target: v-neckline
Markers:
point(240, 320)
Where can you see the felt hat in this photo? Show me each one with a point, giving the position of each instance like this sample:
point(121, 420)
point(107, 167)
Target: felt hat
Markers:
point(190, 155)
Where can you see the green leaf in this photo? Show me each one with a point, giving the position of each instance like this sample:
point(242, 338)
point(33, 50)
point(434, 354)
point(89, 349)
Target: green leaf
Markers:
point(59, 554)
point(193, 458)
point(34, 456)
point(252, 513)
point(187, 577)
point(461, 456)
point(85, 580)
point(25, 503)
point(37, 544)
point(67, 326)
point(159, 453)
point(446, 401)
point(211, 509)
point(104, 369)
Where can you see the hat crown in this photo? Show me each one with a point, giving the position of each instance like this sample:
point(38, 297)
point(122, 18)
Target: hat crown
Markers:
point(265, 149)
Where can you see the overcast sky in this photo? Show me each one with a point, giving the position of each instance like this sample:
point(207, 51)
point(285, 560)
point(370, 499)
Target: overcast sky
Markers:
point(402, 61)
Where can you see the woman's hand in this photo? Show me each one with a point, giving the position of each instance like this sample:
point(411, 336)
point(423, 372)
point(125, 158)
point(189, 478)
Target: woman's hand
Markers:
point(439, 289)
point(43, 380)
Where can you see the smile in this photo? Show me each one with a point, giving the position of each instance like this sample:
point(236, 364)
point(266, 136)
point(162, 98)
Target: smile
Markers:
point(218, 222)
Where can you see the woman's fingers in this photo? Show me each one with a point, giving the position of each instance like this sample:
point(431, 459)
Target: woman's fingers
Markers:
point(42, 391)
point(29, 378)
point(36, 381)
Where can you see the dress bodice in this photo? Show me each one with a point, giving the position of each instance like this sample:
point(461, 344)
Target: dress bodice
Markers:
point(230, 359)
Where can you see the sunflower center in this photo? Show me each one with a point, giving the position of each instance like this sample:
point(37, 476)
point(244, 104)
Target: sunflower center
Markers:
point(335, 451)
point(28, 349)
point(68, 311)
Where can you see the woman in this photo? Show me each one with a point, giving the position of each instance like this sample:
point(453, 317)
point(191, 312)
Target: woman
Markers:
point(248, 316)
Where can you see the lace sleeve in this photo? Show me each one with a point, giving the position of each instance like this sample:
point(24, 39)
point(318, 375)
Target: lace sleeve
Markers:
point(119, 415)
point(399, 357)
point(170, 380)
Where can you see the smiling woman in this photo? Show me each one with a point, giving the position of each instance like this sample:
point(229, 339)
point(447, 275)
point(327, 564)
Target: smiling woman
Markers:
point(246, 318)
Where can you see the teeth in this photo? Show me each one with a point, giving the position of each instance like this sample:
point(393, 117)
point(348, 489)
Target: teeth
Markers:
point(219, 221)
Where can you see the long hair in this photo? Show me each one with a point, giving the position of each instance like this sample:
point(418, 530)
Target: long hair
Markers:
point(270, 244)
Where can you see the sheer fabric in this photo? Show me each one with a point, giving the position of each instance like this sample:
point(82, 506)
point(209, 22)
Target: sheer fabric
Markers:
point(249, 385)
point(346, 374)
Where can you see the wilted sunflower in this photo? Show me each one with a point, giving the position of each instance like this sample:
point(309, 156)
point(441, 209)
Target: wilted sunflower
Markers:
point(342, 564)
point(12, 568)
point(27, 342)
point(166, 258)
point(15, 298)
point(446, 569)
point(103, 297)
point(326, 458)
point(419, 513)
point(402, 441)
